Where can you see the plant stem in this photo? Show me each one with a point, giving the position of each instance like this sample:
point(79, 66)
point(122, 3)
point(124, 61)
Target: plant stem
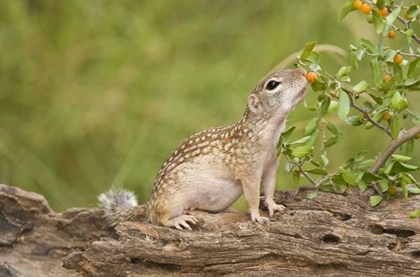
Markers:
point(407, 26)
point(303, 173)
point(402, 138)
point(365, 114)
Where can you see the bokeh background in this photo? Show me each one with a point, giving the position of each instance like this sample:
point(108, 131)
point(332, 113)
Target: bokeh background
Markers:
point(98, 93)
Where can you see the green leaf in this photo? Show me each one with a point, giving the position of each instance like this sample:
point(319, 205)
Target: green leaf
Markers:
point(413, 190)
point(318, 86)
point(360, 156)
point(330, 141)
point(377, 70)
point(301, 151)
point(393, 16)
point(383, 185)
point(409, 35)
point(345, 9)
point(415, 213)
point(343, 105)
point(354, 120)
point(380, 4)
point(398, 103)
point(311, 140)
point(313, 194)
point(312, 125)
point(366, 163)
point(408, 166)
point(394, 126)
point(368, 106)
point(286, 134)
point(401, 158)
point(354, 64)
point(377, 22)
point(404, 189)
point(369, 177)
point(313, 57)
point(375, 200)
point(343, 71)
point(413, 11)
point(369, 46)
point(302, 140)
point(414, 69)
point(362, 186)
point(398, 73)
point(332, 127)
point(324, 108)
point(307, 50)
point(333, 107)
point(324, 160)
point(377, 99)
point(317, 171)
point(409, 147)
point(296, 176)
point(361, 87)
point(349, 177)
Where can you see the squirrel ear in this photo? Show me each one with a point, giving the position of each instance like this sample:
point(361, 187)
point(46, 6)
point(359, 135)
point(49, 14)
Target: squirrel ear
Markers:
point(254, 104)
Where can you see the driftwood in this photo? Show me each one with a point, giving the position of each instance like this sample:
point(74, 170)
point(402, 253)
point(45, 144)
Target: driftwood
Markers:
point(331, 235)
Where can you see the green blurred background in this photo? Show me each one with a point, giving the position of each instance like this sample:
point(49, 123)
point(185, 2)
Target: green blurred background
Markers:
point(98, 93)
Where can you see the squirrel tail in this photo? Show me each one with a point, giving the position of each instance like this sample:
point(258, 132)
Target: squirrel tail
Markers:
point(119, 205)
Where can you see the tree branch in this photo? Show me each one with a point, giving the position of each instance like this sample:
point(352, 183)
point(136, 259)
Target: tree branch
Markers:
point(402, 138)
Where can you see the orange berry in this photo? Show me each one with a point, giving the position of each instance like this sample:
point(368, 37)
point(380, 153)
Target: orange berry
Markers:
point(398, 59)
point(366, 8)
point(406, 16)
point(383, 12)
point(386, 116)
point(358, 4)
point(311, 76)
point(386, 78)
point(391, 34)
point(334, 95)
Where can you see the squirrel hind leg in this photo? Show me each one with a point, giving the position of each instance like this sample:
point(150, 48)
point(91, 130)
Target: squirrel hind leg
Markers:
point(181, 222)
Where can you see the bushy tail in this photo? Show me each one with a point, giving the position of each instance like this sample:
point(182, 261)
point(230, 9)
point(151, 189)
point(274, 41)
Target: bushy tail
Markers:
point(119, 205)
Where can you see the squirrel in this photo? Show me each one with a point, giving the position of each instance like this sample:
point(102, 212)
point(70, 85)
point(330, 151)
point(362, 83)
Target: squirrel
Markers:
point(210, 170)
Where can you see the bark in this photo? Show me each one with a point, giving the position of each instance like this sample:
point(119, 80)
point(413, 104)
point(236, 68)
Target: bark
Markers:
point(331, 235)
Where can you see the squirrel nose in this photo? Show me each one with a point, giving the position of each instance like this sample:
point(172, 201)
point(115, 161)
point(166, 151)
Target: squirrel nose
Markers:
point(301, 71)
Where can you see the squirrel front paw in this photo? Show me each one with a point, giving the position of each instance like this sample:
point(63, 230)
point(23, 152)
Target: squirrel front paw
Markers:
point(255, 217)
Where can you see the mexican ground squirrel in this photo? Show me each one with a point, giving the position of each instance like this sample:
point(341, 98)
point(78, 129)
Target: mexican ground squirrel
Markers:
point(211, 169)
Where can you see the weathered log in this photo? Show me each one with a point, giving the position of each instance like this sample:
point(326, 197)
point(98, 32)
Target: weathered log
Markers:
point(331, 235)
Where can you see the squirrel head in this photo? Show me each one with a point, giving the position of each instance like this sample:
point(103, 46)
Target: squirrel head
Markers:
point(278, 94)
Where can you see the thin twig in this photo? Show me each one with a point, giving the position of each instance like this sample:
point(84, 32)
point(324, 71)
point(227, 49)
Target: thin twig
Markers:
point(406, 25)
point(303, 173)
point(366, 114)
point(394, 145)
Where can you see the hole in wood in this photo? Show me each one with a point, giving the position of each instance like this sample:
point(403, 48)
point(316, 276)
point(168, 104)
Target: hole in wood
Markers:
point(332, 239)
point(416, 254)
point(345, 217)
point(377, 230)
point(392, 246)
point(135, 261)
point(400, 233)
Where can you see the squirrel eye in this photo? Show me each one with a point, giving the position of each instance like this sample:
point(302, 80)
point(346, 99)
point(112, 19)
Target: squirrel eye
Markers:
point(272, 85)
